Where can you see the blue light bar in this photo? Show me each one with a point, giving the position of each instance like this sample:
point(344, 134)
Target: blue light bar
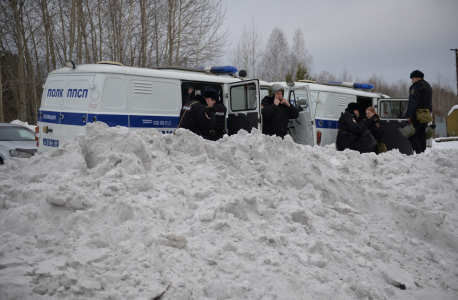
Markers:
point(364, 86)
point(224, 70)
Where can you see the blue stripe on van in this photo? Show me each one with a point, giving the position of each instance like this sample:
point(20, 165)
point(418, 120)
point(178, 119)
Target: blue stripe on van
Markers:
point(49, 116)
point(110, 120)
point(154, 121)
point(327, 124)
point(76, 118)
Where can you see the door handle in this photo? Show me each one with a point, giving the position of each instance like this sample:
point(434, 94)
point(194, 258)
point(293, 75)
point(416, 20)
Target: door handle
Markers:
point(94, 119)
point(61, 116)
point(84, 118)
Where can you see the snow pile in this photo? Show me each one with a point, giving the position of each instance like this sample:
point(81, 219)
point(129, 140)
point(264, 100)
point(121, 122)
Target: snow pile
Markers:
point(121, 214)
point(18, 122)
point(455, 107)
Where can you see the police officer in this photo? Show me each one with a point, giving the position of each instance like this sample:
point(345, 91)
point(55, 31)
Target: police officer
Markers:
point(186, 92)
point(276, 112)
point(375, 126)
point(196, 115)
point(220, 120)
point(420, 97)
point(349, 128)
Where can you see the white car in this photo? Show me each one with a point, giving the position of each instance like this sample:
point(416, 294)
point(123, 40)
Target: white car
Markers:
point(16, 142)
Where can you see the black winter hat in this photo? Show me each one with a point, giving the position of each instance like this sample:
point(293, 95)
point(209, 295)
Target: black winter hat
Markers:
point(210, 93)
point(353, 106)
point(417, 73)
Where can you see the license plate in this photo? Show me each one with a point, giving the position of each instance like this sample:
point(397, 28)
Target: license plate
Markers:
point(50, 143)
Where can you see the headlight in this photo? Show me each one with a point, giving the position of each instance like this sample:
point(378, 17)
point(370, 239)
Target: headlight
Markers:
point(20, 154)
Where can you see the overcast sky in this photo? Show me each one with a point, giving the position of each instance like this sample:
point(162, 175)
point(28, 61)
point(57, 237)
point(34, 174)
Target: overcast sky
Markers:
point(390, 38)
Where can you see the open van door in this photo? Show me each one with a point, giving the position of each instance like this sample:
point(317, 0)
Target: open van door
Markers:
point(392, 114)
point(243, 110)
point(302, 129)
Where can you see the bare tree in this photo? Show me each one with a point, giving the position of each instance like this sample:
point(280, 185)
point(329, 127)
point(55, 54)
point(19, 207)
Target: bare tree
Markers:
point(248, 52)
point(275, 56)
point(299, 55)
point(22, 105)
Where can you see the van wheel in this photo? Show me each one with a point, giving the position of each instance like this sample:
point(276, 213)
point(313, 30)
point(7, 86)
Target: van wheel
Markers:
point(1, 161)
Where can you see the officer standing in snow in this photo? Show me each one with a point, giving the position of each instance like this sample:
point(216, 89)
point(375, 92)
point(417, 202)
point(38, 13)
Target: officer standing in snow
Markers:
point(196, 115)
point(220, 120)
point(276, 112)
point(349, 128)
point(420, 97)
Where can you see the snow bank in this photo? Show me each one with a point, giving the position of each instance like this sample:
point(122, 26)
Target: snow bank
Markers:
point(121, 214)
point(455, 107)
point(18, 122)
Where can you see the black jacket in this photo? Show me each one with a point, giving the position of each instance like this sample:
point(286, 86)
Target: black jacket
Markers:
point(420, 96)
point(275, 118)
point(349, 129)
point(220, 120)
point(375, 126)
point(196, 117)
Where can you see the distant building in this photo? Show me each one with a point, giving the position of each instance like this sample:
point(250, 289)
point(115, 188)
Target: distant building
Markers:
point(452, 122)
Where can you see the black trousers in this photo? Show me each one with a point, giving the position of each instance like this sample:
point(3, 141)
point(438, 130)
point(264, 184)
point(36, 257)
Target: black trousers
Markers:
point(418, 140)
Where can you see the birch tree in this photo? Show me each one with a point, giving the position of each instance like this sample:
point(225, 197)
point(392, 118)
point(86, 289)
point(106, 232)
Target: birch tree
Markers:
point(247, 54)
point(275, 56)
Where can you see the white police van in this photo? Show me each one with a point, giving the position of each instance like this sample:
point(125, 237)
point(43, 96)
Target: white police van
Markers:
point(323, 103)
point(136, 98)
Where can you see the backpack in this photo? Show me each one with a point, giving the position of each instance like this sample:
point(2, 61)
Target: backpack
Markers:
point(365, 142)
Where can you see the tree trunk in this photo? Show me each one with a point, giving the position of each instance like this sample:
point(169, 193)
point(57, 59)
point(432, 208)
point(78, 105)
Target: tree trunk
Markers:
point(64, 48)
point(179, 31)
point(72, 29)
point(2, 119)
point(22, 105)
point(45, 23)
point(100, 31)
point(80, 35)
point(51, 41)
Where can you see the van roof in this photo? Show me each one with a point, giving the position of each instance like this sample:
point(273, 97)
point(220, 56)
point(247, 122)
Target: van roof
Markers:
point(169, 73)
point(336, 89)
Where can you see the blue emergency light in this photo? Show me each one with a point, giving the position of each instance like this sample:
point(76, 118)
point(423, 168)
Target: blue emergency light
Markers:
point(363, 86)
point(220, 69)
point(224, 70)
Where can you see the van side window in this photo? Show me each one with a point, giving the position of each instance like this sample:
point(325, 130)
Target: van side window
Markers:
point(331, 103)
point(393, 109)
point(114, 93)
point(243, 97)
point(300, 99)
point(149, 95)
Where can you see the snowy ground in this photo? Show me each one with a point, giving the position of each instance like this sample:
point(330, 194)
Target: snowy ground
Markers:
point(135, 215)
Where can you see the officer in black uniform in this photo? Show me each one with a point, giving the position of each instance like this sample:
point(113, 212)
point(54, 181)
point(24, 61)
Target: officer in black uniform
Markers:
point(220, 120)
point(196, 115)
point(186, 92)
point(276, 112)
point(420, 96)
point(375, 126)
point(349, 128)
